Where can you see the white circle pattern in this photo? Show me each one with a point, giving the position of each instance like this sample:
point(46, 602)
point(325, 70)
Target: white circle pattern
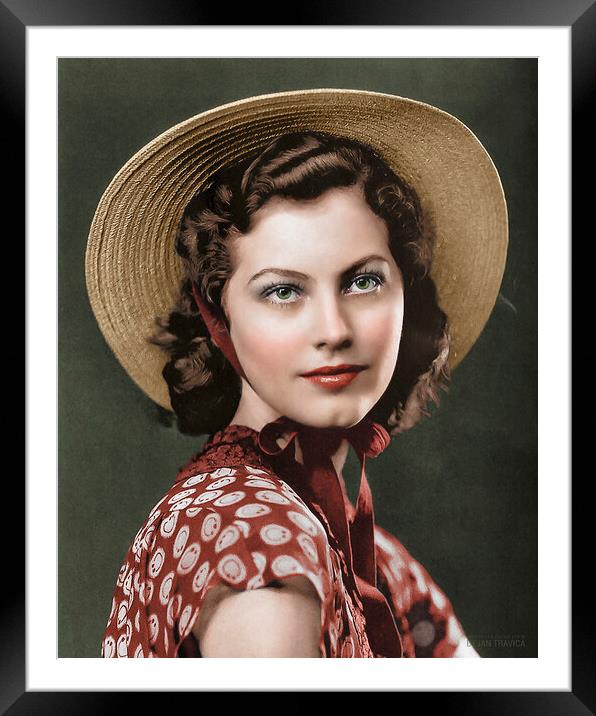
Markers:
point(302, 521)
point(260, 483)
point(211, 526)
point(200, 577)
point(223, 472)
point(252, 510)
point(423, 632)
point(148, 537)
point(166, 586)
point(122, 614)
point(230, 499)
point(308, 547)
point(109, 647)
point(185, 620)
point(194, 480)
point(275, 534)
point(127, 583)
point(181, 504)
point(181, 495)
point(181, 540)
point(232, 569)
point(137, 544)
point(122, 646)
point(168, 524)
point(270, 496)
point(222, 482)
point(156, 562)
point(207, 496)
point(153, 625)
point(286, 564)
point(189, 558)
point(229, 536)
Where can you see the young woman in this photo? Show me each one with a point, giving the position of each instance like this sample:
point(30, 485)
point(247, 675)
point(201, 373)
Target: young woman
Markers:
point(307, 322)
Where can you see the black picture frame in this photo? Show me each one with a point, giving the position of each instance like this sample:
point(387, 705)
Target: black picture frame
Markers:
point(580, 15)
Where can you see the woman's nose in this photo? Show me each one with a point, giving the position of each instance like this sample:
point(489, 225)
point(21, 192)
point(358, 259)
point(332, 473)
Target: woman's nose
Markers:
point(331, 327)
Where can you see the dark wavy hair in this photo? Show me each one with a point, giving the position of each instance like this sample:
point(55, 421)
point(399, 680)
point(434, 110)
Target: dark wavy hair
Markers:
point(204, 388)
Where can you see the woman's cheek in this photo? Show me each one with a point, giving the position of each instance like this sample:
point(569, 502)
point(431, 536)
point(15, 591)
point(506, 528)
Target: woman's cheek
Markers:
point(270, 348)
point(381, 333)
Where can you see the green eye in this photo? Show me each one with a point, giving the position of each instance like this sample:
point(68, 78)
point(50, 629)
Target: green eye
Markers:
point(365, 283)
point(284, 293)
point(281, 294)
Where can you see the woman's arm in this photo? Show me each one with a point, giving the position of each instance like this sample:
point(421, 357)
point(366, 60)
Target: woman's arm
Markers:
point(279, 620)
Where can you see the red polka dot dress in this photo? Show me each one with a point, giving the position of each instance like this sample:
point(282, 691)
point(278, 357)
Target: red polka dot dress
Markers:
point(230, 517)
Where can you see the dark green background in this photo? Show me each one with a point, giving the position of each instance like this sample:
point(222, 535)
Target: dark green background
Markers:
point(460, 489)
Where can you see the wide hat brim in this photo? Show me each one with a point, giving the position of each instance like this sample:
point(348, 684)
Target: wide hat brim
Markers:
point(133, 272)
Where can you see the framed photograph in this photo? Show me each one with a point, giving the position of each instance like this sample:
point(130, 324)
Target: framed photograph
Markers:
point(478, 490)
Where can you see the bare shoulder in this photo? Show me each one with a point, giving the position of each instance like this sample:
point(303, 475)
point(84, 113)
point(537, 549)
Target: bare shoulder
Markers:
point(282, 619)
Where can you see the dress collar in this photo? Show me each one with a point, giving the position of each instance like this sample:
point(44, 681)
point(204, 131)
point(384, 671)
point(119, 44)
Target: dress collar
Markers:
point(367, 437)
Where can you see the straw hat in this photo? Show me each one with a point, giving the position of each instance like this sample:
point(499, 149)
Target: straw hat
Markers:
point(133, 272)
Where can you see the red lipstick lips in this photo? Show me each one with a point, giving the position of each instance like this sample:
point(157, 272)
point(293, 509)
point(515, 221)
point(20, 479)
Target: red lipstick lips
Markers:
point(334, 377)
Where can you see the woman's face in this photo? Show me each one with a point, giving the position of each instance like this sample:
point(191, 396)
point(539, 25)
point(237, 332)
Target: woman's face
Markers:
point(314, 288)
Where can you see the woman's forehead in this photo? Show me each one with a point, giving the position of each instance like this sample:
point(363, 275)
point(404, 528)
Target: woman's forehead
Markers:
point(326, 234)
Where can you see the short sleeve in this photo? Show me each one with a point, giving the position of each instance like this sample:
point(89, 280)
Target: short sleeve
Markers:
point(423, 612)
point(240, 526)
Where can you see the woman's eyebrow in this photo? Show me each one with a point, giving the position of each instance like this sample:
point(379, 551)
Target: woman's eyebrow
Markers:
point(297, 274)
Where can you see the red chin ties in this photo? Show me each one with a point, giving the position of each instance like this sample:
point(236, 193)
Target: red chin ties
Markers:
point(218, 331)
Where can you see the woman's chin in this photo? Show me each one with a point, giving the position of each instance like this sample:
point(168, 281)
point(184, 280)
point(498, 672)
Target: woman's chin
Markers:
point(333, 419)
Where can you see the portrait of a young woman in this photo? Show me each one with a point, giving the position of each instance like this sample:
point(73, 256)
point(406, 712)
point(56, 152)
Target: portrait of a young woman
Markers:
point(294, 277)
